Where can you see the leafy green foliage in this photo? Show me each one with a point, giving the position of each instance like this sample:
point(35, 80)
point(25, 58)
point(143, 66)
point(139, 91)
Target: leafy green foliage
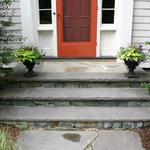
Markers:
point(147, 43)
point(6, 3)
point(31, 54)
point(24, 126)
point(6, 56)
point(6, 141)
point(7, 36)
point(147, 86)
point(131, 53)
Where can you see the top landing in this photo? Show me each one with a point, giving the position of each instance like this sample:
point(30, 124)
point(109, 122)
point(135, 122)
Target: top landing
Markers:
point(76, 70)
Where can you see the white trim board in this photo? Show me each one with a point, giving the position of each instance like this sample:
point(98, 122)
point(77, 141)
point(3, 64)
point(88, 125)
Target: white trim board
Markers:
point(124, 19)
point(54, 18)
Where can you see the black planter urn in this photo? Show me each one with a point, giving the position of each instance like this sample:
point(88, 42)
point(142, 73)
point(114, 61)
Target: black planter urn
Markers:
point(131, 67)
point(30, 66)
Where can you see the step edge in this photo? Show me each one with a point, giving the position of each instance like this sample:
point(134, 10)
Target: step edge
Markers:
point(75, 99)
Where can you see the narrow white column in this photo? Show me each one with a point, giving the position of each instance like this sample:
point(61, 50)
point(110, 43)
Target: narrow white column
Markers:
point(28, 24)
point(54, 17)
point(124, 22)
point(99, 14)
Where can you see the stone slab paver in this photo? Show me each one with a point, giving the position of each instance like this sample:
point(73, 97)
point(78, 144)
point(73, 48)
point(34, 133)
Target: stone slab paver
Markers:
point(83, 114)
point(80, 66)
point(117, 140)
point(79, 140)
point(95, 71)
point(75, 94)
point(55, 140)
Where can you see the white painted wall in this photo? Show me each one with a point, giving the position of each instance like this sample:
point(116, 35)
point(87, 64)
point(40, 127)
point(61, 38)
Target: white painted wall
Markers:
point(108, 43)
point(46, 42)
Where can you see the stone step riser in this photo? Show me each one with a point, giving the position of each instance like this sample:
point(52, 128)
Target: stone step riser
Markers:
point(78, 103)
point(48, 125)
point(77, 117)
point(75, 84)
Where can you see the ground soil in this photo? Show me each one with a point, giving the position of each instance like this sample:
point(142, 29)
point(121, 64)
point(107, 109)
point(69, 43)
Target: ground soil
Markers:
point(145, 137)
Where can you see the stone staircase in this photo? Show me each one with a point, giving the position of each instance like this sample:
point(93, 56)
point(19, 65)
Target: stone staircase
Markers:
point(76, 100)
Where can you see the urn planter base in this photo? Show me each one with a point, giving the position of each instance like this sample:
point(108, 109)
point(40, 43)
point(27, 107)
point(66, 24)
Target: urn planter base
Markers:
point(30, 67)
point(131, 75)
point(131, 67)
point(31, 74)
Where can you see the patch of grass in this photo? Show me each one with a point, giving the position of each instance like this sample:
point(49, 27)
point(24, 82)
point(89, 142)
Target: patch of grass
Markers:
point(6, 140)
point(23, 127)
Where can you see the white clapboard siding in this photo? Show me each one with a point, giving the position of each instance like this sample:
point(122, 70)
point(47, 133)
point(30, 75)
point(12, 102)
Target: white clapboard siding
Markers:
point(142, 4)
point(14, 45)
point(17, 20)
point(140, 39)
point(141, 22)
point(141, 26)
point(15, 12)
point(16, 28)
point(142, 12)
point(15, 5)
point(141, 33)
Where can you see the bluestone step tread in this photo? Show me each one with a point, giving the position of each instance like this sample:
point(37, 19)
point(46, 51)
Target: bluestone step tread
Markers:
point(19, 113)
point(88, 77)
point(74, 94)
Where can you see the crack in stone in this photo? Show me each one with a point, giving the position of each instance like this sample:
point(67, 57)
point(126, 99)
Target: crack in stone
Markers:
point(90, 145)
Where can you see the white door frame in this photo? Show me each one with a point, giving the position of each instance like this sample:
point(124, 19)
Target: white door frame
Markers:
point(54, 18)
point(124, 21)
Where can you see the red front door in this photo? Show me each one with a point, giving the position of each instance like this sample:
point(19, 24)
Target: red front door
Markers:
point(77, 26)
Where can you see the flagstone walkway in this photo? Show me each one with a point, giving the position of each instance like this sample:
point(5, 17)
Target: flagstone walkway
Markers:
point(79, 140)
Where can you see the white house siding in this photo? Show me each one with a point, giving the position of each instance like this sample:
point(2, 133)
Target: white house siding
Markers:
point(16, 28)
point(141, 22)
point(141, 26)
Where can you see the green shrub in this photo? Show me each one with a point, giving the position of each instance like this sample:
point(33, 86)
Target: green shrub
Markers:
point(6, 140)
point(147, 86)
point(31, 54)
point(131, 53)
point(147, 43)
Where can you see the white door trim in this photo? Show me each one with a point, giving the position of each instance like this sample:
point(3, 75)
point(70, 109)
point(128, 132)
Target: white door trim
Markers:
point(124, 21)
point(28, 22)
point(99, 12)
point(54, 19)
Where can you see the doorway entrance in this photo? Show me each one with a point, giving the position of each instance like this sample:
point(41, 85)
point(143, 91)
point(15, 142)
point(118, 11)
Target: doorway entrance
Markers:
point(77, 27)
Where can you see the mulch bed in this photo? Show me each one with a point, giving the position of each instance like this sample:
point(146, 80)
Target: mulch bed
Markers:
point(145, 137)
